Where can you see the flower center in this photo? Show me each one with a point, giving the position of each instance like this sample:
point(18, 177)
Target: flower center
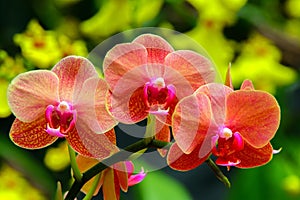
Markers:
point(158, 97)
point(225, 144)
point(60, 119)
point(225, 133)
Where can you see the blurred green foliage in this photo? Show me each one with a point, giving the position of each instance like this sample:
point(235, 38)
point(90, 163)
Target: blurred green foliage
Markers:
point(260, 38)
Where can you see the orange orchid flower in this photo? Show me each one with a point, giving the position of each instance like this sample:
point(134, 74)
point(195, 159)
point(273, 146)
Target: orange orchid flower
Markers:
point(234, 126)
point(66, 102)
point(113, 179)
point(147, 76)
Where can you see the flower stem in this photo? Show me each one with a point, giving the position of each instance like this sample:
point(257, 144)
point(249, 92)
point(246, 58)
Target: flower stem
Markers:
point(117, 157)
point(90, 194)
point(58, 195)
point(219, 174)
point(76, 172)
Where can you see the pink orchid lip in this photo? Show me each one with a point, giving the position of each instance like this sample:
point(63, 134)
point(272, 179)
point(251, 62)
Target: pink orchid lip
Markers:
point(64, 114)
point(137, 178)
point(225, 143)
point(227, 163)
point(158, 97)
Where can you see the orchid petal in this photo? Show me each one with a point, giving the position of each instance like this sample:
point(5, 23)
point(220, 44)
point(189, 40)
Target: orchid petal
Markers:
point(31, 92)
point(129, 167)
point(254, 114)
point(91, 105)
point(86, 142)
point(72, 71)
point(196, 69)
point(180, 161)
point(254, 157)
point(129, 108)
point(157, 47)
point(163, 134)
point(85, 163)
point(127, 103)
point(217, 94)
point(121, 172)
point(247, 85)
point(191, 121)
point(121, 60)
point(31, 135)
point(137, 178)
point(109, 185)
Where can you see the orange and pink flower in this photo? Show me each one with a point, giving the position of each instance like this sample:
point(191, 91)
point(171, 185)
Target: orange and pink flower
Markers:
point(66, 102)
point(113, 179)
point(147, 76)
point(234, 126)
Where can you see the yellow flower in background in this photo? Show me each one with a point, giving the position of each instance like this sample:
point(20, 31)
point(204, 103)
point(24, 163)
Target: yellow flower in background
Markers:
point(291, 184)
point(213, 17)
point(217, 46)
point(45, 48)
point(57, 158)
point(219, 11)
point(4, 108)
point(9, 68)
point(69, 47)
point(292, 7)
point(118, 15)
point(38, 46)
point(260, 61)
point(14, 186)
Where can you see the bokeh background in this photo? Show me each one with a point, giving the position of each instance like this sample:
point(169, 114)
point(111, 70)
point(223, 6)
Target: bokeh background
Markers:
point(260, 38)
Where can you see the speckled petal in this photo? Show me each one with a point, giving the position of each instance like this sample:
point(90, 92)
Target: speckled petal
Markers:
point(120, 61)
point(180, 161)
point(91, 105)
point(163, 134)
point(88, 143)
point(31, 135)
point(72, 71)
point(254, 157)
point(196, 69)
point(217, 94)
point(157, 47)
point(191, 121)
point(254, 114)
point(31, 92)
point(129, 108)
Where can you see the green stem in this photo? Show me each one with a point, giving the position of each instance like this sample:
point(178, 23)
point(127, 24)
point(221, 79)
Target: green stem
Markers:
point(117, 157)
point(160, 144)
point(91, 192)
point(219, 174)
point(59, 194)
point(76, 172)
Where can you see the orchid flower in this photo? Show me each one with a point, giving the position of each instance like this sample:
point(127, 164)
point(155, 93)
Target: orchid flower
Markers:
point(119, 176)
point(147, 76)
point(234, 126)
point(66, 102)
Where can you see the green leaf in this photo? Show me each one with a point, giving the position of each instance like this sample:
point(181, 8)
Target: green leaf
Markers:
point(159, 186)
